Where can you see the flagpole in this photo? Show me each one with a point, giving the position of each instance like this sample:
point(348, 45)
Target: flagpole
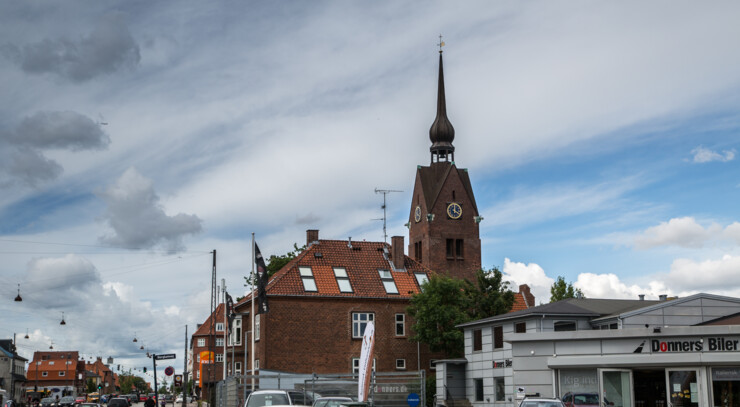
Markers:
point(252, 336)
point(226, 325)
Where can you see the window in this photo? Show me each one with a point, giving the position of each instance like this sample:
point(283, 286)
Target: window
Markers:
point(201, 342)
point(309, 284)
point(417, 251)
point(219, 357)
point(44, 374)
point(219, 327)
point(220, 342)
point(236, 333)
point(421, 278)
point(342, 280)
point(197, 358)
point(432, 364)
point(197, 372)
point(455, 249)
point(238, 367)
point(520, 327)
point(388, 283)
point(400, 364)
point(478, 389)
point(61, 373)
point(256, 364)
point(69, 362)
point(257, 327)
point(499, 389)
point(400, 324)
point(560, 326)
point(51, 363)
point(356, 365)
point(498, 337)
point(477, 340)
point(359, 322)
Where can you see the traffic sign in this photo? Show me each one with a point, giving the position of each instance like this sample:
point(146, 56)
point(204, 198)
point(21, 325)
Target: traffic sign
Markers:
point(164, 356)
point(413, 400)
point(169, 370)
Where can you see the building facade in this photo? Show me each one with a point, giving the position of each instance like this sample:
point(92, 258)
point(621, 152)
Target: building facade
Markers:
point(12, 369)
point(59, 372)
point(681, 352)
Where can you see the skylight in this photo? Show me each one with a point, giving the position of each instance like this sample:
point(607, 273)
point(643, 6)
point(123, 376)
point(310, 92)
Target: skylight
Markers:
point(388, 283)
point(309, 284)
point(342, 280)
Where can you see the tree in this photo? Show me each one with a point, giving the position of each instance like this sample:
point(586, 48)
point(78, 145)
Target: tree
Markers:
point(90, 386)
point(445, 302)
point(277, 262)
point(561, 290)
point(131, 384)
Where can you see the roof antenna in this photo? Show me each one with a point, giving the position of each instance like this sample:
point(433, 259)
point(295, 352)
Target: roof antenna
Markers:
point(384, 192)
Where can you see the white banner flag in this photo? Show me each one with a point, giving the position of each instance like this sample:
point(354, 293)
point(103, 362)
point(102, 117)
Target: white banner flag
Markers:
point(366, 362)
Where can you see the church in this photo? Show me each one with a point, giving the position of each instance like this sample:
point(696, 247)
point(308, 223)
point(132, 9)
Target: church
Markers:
point(320, 302)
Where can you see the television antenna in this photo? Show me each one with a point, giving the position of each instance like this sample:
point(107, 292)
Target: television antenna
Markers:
point(385, 192)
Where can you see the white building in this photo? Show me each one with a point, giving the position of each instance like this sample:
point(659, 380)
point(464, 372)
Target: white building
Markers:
point(631, 353)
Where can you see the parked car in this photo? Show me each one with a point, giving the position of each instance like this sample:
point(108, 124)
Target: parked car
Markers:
point(90, 405)
point(48, 401)
point(80, 399)
point(334, 401)
point(66, 401)
point(273, 398)
point(143, 397)
point(541, 402)
point(119, 402)
point(583, 400)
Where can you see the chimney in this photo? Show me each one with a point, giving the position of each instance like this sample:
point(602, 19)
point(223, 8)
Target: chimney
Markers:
point(397, 252)
point(312, 235)
point(642, 297)
point(349, 242)
point(663, 297)
point(528, 296)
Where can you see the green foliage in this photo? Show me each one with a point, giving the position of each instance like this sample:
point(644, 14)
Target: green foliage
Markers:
point(445, 302)
point(430, 390)
point(275, 263)
point(561, 290)
point(90, 386)
point(131, 384)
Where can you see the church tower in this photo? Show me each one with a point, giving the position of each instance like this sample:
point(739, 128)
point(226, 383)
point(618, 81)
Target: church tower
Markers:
point(443, 221)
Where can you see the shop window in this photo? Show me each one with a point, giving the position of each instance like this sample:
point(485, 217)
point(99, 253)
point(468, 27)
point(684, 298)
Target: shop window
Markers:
point(477, 340)
point(726, 386)
point(499, 388)
point(560, 326)
point(578, 381)
point(498, 337)
point(478, 389)
point(520, 327)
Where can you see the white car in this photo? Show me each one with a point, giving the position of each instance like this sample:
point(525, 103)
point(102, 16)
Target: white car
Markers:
point(179, 399)
point(273, 398)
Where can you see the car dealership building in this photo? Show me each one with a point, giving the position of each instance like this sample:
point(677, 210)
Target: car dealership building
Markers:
point(680, 352)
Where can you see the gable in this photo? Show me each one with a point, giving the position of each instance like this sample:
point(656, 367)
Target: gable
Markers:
point(691, 310)
point(433, 179)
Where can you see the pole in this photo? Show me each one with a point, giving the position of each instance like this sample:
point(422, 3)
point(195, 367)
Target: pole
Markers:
point(212, 343)
point(185, 371)
point(226, 324)
point(12, 370)
point(156, 388)
point(252, 336)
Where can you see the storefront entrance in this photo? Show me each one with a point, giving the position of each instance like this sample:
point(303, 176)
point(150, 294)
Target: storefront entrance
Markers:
point(683, 387)
point(649, 388)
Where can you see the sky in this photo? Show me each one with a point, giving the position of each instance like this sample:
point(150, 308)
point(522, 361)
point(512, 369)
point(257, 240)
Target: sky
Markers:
point(137, 137)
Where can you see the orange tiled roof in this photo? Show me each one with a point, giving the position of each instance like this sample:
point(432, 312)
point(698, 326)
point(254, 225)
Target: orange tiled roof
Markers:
point(519, 302)
point(218, 315)
point(362, 261)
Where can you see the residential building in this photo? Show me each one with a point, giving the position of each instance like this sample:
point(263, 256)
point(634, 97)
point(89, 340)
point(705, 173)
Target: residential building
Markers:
point(106, 376)
point(60, 372)
point(12, 369)
point(679, 352)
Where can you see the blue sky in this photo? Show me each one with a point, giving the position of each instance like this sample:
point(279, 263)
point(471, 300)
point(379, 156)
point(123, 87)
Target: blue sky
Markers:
point(601, 139)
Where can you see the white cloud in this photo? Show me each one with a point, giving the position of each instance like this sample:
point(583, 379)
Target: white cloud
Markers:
point(683, 232)
point(531, 274)
point(705, 155)
point(139, 221)
point(718, 276)
point(610, 286)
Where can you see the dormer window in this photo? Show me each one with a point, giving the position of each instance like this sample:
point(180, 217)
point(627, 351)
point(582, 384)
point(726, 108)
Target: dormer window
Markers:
point(342, 280)
point(309, 283)
point(388, 283)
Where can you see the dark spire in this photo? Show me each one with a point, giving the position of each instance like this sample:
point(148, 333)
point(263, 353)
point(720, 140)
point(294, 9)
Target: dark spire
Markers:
point(442, 133)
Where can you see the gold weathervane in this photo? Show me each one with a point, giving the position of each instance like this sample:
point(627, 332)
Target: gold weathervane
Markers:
point(441, 43)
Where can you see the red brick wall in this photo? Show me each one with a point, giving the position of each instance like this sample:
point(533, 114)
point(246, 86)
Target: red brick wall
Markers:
point(285, 346)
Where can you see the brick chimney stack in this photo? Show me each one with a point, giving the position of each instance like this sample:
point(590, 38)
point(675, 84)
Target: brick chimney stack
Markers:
point(397, 252)
point(528, 296)
point(312, 235)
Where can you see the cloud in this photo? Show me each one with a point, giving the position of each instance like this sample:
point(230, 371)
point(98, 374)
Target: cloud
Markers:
point(609, 286)
point(531, 274)
point(21, 157)
point(719, 275)
point(108, 48)
point(139, 221)
point(59, 282)
point(683, 232)
point(705, 155)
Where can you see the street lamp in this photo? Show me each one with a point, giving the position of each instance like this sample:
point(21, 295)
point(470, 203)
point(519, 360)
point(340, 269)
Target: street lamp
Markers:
point(18, 297)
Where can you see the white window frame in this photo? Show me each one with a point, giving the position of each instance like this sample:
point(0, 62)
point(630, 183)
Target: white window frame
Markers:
point(219, 357)
point(421, 278)
point(257, 364)
point(220, 342)
point(356, 365)
point(235, 338)
point(400, 364)
point(359, 321)
point(219, 326)
point(197, 358)
point(238, 367)
point(201, 342)
point(309, 282)
point(340, 273)
point(388, 283)
point(51, 363)
point(402, 324)
point(61, 373)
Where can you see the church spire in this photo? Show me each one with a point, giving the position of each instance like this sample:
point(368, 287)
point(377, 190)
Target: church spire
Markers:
point(441, 133)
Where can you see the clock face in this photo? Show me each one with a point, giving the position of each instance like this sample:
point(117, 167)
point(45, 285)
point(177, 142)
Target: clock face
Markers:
point(417, 214)
point(454, 210)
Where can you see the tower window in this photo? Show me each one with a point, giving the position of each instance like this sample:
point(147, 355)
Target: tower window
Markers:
point(417, 251)
point(455, 249)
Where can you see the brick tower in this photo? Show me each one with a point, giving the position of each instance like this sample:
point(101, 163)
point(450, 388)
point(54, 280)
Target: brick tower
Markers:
point(443, 221)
